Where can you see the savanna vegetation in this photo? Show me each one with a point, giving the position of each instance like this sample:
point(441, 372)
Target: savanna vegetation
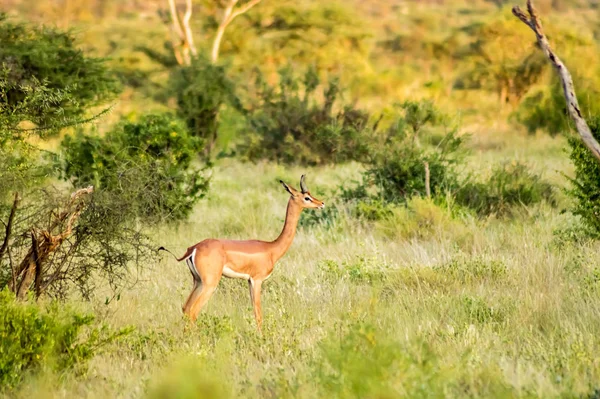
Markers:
point(456, 256)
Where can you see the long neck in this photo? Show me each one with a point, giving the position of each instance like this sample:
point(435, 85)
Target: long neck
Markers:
point(283, 242)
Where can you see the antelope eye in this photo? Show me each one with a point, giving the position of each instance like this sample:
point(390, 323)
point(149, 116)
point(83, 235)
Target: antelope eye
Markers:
point(307, 198)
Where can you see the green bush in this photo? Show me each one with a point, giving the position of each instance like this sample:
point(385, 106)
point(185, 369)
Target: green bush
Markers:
point(509, 185)
point(201, 90)
point(469, 270)
point(145, 166)
point(398, 173)
point(290, 124)
point(33, 338)
point(585, 187)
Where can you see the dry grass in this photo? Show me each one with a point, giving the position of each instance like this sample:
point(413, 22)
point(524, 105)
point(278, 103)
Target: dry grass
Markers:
point(454, 307)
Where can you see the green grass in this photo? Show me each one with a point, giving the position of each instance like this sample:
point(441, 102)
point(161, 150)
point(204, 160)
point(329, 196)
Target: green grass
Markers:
point(427, 303)
point(455, 307)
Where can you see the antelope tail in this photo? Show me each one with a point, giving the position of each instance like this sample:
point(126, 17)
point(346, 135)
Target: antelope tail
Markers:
point(187, 253)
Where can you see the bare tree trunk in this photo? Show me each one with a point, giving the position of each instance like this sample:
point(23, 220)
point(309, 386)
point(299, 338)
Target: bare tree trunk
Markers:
point(214, 56)
point(183, 40)
point(37, 282)
point(228, 16)
point(565, 77)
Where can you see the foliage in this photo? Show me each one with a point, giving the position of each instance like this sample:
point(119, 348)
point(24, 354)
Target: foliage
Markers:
point(501, 60)
point(290, 125)
point(546, 109)
point(418, 114)
point(331, 36)
point(18, 168)
point(45, 79)
point(510, 184)
point(146, 166)
point(34, 337)
point(201, 90)
point(585, 186)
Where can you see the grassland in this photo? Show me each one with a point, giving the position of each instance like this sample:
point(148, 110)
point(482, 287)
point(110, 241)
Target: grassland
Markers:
point(426, 304)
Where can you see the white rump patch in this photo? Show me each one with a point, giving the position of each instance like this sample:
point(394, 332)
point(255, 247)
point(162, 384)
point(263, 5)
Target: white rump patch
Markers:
point(190, 262)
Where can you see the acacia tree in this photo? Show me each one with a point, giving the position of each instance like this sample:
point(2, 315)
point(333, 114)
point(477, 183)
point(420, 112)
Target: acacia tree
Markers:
point(182, 35)
point(53, 241)
point(199, 84)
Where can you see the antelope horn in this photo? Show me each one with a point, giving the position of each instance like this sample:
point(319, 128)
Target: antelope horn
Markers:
point(303, 185)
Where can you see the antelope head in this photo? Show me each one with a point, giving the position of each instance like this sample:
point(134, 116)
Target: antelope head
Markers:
point(303, 197)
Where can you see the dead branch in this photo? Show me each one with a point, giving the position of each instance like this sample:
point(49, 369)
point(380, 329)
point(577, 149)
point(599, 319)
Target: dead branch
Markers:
point(565, 77)
point(229, 15)
point(37, 283)
point(9, 224)
point(44, 243)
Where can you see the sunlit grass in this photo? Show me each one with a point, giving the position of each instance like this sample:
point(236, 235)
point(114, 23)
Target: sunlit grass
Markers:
point(458, 306)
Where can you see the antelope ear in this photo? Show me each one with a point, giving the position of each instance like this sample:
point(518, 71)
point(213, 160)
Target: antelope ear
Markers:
point(289, 189)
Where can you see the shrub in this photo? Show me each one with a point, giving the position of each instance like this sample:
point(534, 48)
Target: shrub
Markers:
point(201, 90)
point(509, 185)
point(360, 270)
point(477, 310)
point(100, 246)
point(399, 173)
point(418, 218)
point(145, 166)
point(33, 337)
point(289, 124)
point(585, 187)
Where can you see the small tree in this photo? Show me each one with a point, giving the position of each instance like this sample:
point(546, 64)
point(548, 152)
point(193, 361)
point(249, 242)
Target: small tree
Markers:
point(53, 242)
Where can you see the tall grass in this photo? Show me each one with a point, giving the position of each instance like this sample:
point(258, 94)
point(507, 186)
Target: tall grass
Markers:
point(456, 307)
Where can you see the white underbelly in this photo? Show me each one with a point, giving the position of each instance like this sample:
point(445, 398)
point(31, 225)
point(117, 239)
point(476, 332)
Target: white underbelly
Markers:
point(227, 272)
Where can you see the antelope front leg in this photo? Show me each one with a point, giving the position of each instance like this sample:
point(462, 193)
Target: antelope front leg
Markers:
point(255, 286)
